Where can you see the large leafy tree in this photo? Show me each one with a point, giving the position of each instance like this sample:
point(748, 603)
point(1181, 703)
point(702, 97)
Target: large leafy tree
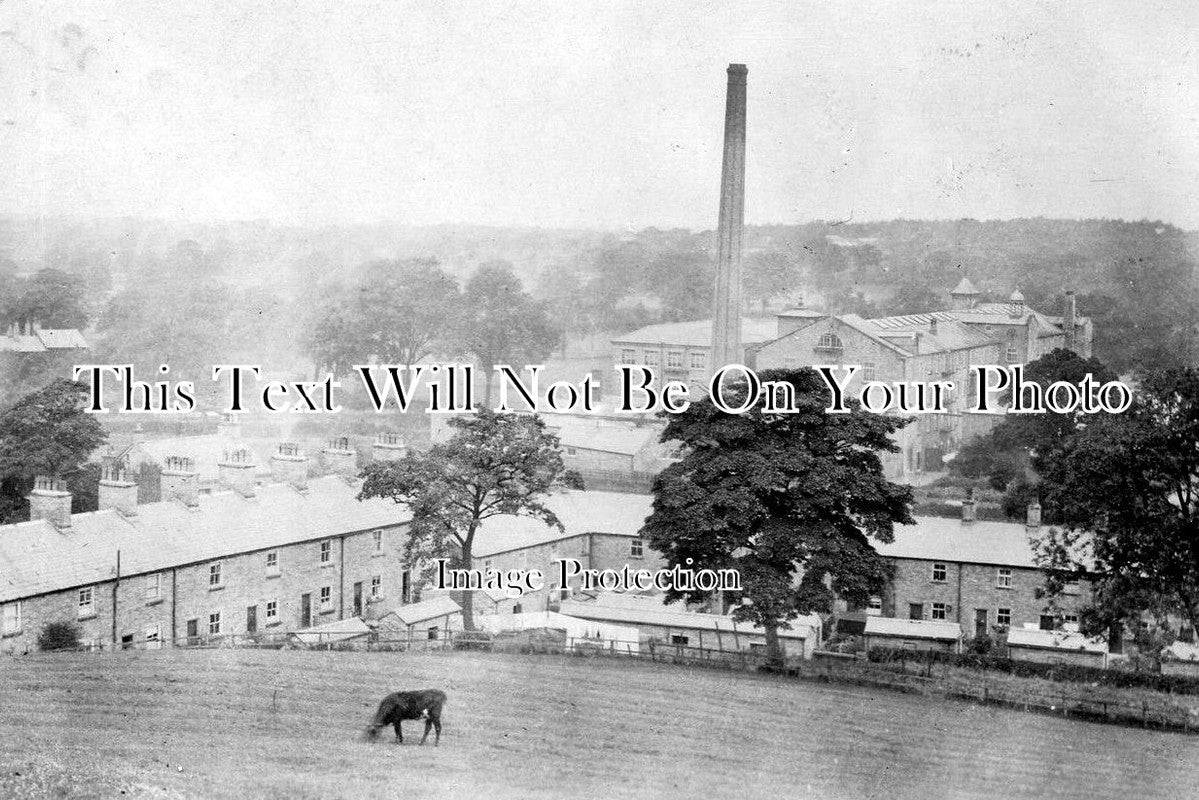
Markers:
point(44, 433)
point(503, 324)
point(1128, 489)
point(493, 464)
point(790, 500)
point(406, 309)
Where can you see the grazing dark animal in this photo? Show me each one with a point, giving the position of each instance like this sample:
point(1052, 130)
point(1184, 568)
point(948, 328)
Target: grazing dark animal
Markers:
point(396, 707)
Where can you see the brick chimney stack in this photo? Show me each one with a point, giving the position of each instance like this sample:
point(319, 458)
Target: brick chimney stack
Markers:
point(180, 481)
point(388, 447)
point(229, 427)
point(1034, 515)
point(969, 511)
point(726, 322)
point(289, 465)
point(1068, 322)
point(117, 492)
point(341, 458)
point(237, 471)
point(50, 501)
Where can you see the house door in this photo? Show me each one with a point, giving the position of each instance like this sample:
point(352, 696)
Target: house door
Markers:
point(915, 611)
point(305, 610)
point(193, 630)
point(980, 622)
point(251, 619)
point(358, 599)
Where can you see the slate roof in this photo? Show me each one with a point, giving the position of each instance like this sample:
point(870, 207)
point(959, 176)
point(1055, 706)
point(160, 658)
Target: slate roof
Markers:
point(615, 513)
point(36, 557)
point(650, 610)
point(947, 539)
point(964, 287)
point(439, 605)
point(623, 438)
point(43, 339)
point(1054, 640)
point(951, 333)
point(913, 628)
point(698, 333)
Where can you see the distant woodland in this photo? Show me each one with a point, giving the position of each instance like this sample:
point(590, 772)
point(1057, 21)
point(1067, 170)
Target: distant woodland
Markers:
point(191, 295)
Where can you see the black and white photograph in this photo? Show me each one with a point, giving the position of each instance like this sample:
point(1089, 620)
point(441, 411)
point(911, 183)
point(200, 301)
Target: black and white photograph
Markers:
point(599, 400)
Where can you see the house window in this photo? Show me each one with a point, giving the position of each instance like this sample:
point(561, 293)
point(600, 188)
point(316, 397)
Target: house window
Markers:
point(153, 588)
point(628, 356)
point(874, 606)
point(272, 610)
point(378, 537)
point(1047, 622)
point(679, 639)
point(636, 548)
point(326, 552)
point(1003, 616)
point(652, 358)
point(868, 371)
point(1070, 622)
point(486, 564)
point(517, 608)
point(674, 359)
point(830, 343)
point(1003, 578)
point(405, 587)
point(699, 360)
point(433, 633)
point(1011, 355)
point(153, 636)
point(214, 576)
point(326, 598)
point(376, 587)
point(940, 611)
point(87, 602)
point(10, 618)
point(939, 573)
point(272, 563)
point(214, 624)
point(915, 611)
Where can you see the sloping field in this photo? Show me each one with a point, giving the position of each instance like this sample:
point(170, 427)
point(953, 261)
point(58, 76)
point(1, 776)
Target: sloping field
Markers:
point(285, 724)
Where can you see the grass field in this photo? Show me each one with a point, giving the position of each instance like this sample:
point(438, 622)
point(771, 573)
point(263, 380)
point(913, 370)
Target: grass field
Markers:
point(285, 724)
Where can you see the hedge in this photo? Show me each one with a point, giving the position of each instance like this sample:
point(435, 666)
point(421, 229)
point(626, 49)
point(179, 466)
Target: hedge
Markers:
point(1065, 673)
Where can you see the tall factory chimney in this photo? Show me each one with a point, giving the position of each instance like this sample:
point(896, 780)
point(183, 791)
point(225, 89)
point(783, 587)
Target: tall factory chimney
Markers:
point(726, 323)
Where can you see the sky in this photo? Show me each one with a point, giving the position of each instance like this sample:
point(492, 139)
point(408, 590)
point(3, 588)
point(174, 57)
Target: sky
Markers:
point(603, 115)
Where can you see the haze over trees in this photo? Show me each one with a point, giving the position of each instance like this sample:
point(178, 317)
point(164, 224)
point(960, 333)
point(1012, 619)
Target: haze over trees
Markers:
point(792, 501)
point(494, 464)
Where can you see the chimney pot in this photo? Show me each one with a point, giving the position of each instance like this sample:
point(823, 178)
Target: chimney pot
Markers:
point(290, 465)
point(180, 481)
point(388, 447)
point(340, 457)
point(236, 471)
point(117, 492)
point(50, 501)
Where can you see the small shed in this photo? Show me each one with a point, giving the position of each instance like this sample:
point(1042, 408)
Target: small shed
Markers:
point(428, 620)
point(578, 631)
point(1181, 658)
point(1050, 647)
point(912, 634)
point(339, 633)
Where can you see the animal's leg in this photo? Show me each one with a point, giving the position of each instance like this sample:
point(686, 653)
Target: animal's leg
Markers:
point(437, 725)
point(428, 725)
point(399, 732)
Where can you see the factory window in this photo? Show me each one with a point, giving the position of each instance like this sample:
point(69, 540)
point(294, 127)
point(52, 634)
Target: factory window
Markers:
point(11, 617)
point(1003, 616)
point(939, 573)
point(326, 598)
point(1003, 578)
point(699, 360)
point(674, 359)
point(214, 623)
point(153, 588)
point(376, 587)
point(214, 576)
point(326, 552)
point(868, 371)
point(636, 548)
point(652, 358)
point(87, 603)
point(1011, 355)
point(628, 356)
point(940, 611)
point(378, 538)
point(272, 563)
point(830, 343)
point(272, 611)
